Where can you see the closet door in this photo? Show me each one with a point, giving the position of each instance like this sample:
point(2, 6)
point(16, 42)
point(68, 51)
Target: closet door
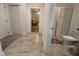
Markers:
point(15, 19)
point(3, 22)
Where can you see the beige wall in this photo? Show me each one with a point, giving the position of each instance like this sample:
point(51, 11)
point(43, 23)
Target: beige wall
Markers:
point(4, 21)
point(67, 20)
point(63, 18)
point(59, 20)
point(75, 19)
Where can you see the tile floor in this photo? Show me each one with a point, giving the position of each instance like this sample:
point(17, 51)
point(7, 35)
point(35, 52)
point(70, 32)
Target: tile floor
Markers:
point(6, 41)
point(31, 45)
point(26, 45)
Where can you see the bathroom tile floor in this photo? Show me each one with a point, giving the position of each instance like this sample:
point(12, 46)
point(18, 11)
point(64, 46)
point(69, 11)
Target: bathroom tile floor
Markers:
point(24, 47)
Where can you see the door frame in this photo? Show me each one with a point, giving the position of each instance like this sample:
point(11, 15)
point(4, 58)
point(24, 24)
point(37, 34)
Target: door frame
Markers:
point(31, 18)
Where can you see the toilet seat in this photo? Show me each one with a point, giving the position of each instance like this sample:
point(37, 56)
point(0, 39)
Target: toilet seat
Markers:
point(69, 38)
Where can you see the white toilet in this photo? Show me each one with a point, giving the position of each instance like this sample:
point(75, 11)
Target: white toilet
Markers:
point(74, 36)
point(69, 38)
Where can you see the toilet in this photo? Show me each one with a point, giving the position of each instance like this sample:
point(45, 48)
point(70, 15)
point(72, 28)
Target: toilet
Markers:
point(73, 37)
point(69, 38)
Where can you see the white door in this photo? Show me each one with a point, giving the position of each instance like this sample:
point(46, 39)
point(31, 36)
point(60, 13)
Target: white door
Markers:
point(15, 20)
point(3, 22)
point(48, 25)
point(50, 22)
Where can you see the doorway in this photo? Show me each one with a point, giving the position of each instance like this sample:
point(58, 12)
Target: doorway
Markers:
point(35, 19)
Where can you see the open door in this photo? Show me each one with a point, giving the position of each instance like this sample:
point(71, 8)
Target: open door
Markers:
point(48, 25)
point(35, 20)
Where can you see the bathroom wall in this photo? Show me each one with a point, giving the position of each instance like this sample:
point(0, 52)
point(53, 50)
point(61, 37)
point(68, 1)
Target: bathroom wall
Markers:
point(63, 18)
point(68, 12)
point(75, 19)
point(58, 21)
point(4, 21)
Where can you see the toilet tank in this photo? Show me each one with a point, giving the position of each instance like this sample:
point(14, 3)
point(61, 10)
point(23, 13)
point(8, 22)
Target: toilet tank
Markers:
point(75, 34)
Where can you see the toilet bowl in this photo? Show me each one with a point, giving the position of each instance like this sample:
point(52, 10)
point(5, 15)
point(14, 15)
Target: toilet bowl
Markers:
point(74, 36)
point(69, 38)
